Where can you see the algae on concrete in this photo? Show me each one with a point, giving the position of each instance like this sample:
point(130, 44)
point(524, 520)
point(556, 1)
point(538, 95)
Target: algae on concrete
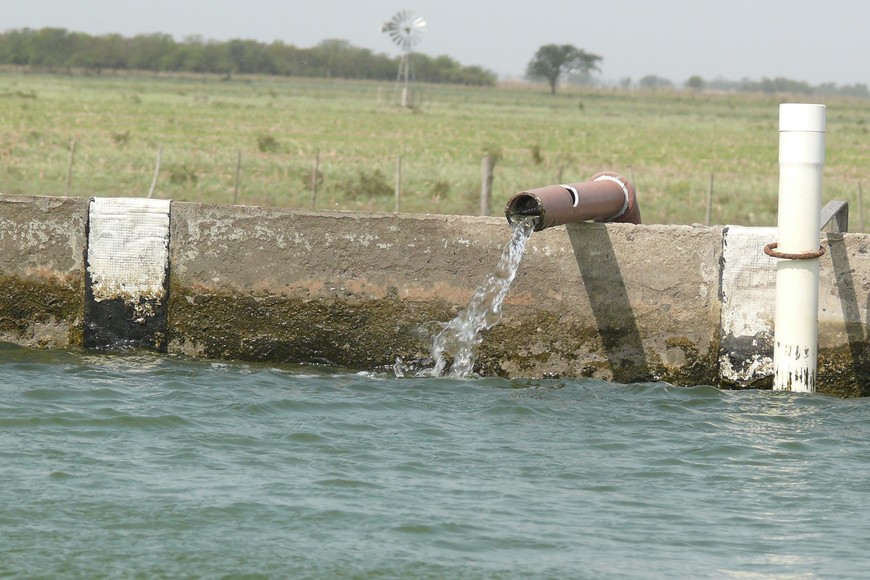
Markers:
point(41, 313)
point(367, 334)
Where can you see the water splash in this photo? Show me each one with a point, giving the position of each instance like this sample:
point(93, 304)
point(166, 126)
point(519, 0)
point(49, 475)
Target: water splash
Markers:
point(454, 349)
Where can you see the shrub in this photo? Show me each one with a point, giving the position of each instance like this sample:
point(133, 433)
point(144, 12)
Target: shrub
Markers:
point(267, 144)
point(366, 184)
point(181, 174)
point(439, 188)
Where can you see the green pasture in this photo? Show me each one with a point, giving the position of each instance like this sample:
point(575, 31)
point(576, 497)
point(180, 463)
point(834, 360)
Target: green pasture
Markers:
point(669, 143)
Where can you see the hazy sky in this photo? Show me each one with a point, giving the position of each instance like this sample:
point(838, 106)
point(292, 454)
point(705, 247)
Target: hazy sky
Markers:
point(810, 40)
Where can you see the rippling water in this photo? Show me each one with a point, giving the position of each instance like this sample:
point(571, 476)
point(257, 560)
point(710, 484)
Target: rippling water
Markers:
point(150, 466)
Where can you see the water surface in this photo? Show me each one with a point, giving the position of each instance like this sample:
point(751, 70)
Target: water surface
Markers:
point(150, 466)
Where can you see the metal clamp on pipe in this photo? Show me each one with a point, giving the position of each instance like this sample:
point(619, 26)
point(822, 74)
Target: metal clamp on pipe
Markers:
point(606, 197)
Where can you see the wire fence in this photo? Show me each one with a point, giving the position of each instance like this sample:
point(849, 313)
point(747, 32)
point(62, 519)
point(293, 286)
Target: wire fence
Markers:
point(707, 202)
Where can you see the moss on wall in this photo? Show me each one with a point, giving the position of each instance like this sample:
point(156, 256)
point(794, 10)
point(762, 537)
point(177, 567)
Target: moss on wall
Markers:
point(41, 312)
point(363, 334)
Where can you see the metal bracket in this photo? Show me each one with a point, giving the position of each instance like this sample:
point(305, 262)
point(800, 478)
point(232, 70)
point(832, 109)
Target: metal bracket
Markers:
point(837, 213)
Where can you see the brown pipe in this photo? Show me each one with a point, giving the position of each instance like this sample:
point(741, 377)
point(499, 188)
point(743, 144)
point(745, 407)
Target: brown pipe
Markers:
point(606, 197)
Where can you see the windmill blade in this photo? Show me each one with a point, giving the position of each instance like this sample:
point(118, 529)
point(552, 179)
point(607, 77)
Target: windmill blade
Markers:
point(403, 16)
point(396, 22)
point(418, 24)
point(405, 28)
point(398, 37)
point(414, 30)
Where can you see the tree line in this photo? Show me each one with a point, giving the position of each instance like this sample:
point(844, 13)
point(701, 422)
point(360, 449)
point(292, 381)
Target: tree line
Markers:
point(770, 86)
point(552, 62)
point(54, 49)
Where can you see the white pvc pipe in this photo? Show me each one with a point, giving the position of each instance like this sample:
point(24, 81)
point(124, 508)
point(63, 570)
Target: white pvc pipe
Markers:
point(801, 158)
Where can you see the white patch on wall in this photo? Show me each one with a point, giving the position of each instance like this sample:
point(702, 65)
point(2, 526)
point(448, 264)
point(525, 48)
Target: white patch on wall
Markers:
point(128, 248)
point(748, 302)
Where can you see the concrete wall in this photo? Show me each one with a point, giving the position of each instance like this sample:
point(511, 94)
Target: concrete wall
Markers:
point(42, 255)
point(616, 301)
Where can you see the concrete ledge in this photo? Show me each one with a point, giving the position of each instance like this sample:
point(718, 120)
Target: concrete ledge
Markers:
point(617, 301)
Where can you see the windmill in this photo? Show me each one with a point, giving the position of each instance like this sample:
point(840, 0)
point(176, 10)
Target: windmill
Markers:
point(406, 30)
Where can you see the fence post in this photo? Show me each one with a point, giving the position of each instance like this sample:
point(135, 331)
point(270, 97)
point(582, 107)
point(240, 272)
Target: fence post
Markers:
point(486, 186)
point(860, 208)
point(708, 216)
point(398, 182)
point(314, 180)
point(156, 172)
point(238, 176)
point(69, 169)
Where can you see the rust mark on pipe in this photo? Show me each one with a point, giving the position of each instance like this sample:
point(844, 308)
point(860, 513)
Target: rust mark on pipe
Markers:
point(605, 197)
point(770, 250)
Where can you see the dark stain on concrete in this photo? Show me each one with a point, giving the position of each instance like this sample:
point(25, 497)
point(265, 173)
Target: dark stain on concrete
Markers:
point(367, 334)
point(700, 367)
point(33, 311)
point(543, 344)
point(844, 371)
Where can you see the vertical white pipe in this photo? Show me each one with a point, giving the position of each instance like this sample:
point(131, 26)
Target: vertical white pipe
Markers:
point(801, 157)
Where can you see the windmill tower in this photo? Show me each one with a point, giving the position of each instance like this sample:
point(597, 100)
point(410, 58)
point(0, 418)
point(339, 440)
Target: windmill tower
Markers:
point(406, 30)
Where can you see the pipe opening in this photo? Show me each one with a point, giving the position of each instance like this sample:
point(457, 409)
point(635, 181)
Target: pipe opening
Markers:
point(522, 206)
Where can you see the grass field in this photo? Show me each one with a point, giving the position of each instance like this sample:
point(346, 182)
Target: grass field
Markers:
point(669, 143)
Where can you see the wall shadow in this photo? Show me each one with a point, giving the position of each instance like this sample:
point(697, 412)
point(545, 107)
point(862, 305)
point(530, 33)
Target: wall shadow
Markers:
point(855, 333)
point(608, 297)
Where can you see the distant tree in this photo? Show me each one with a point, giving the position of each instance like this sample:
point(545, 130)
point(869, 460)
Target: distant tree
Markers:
point(444, 69)
point(655, 82)
point(695, 82)
point(777, 85)
point(151, 52)
point(51, 47)
point(247, 57)
point(855, 90)
point(552, 61)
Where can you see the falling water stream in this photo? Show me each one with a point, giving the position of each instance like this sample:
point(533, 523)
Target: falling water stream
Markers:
point(454, 349)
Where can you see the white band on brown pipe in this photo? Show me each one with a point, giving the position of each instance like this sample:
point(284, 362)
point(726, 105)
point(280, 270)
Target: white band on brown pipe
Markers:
point(574, 195)
point(617, 179)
